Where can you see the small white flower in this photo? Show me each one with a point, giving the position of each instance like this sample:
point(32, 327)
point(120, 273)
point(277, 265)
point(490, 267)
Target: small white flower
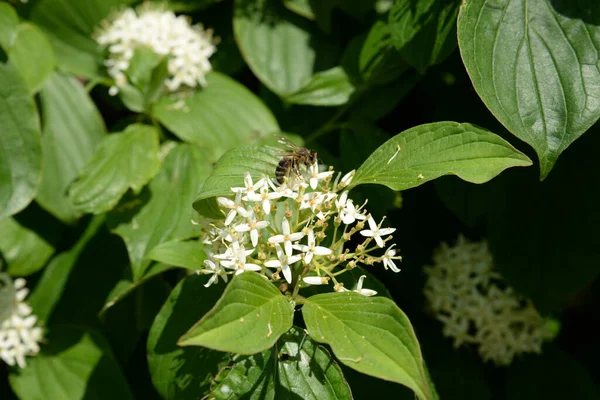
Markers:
point(287, 237)
point(239, 264)
point(283, 261)
point(252, 226)
point(216, 271)
point(234, 206)
point(316, 280)
point(347, 178)
point(314, 199)
point(359, 289)
point(310, 249)
point(376, 233)
point(265, 197)
point(249, 186)
point(340, 202)
point(350, 213)
point(388, 259)
point(316, 176)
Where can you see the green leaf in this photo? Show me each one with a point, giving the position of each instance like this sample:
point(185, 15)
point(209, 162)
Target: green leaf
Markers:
point(282, 49)
point(124, 160)
point(535, 64)
point(20, 150)
point(250, 377)
point(229, 172)
point(8, 24)
point(186, 5)
point(183, 372)
point(429, 151)
point(369, 334)
point(161, 212)
point(307, 371)
point(147, 72)
point(70, 25)
point(50, 287)
point(327, 88)
point(219, 117)
point(32, 54)
point(24, 250)
point(551, 375)
point(300, 7)
point(250, 316)
point(72, 129)
point(189, 254)
point(7, 296)
point(73, 365)
point(424, 32)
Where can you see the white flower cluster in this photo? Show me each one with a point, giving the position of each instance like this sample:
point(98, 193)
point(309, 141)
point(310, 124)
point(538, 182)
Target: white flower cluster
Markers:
point(187, 47)
point(283, 230)
point(476, 306)
point(19, 337)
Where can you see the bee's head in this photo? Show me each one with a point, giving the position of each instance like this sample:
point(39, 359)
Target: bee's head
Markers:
point(312, 156)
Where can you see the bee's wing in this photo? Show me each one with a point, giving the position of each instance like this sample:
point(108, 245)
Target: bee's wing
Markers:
point(286, 142)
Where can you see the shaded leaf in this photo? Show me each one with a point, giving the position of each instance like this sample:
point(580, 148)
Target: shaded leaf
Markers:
point(7, 296)
point(189, 254)
point(250, 316)
point(20, 150)
point(183, 372)
point(429, 151)
point(327, 88)
point(125, 160)
point(356, 327)
point(219, 117)
point(72, 128)
point(8, 24)
point(537, 71)
point(161, 212)
point(250, 377)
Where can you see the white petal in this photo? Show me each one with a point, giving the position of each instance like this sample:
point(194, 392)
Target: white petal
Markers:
point(386, 231)
point(288, 248)
point(366, 292)
point(367, 233)
point(276, 239)
point(272, 264)
point(242, 228)
point(316, 280)
point(252, 267)
point(379, 241)
point(314, 182)
point(293, 259)
point(254, 237)
point(300, 247)
point(285, 226)
point(262, 224)
point(266, 206)
point(230, 216)
point(322, 251)
point(311, 238)
point(287, 273)
point(372, 224)
point(308, 257)
point(225, 202)
point(348, 219)
point(296, 236)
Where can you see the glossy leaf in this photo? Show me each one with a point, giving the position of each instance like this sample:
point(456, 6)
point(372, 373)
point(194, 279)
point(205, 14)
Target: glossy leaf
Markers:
point(219, 117)
point(535, 64)
point(8, 24)
point(73, 365)
point(70, 25)
point(72, 129)
point(24, 250)
point(250, 316)
point(229, 172)
point(369, 334)
point(424, 31)
point(20, 150)
point(327, 88)
point(122, 161)
point(161, 212)
point(189, 254)
point(183, 372)
point(249, 377)
point(429, 151)
point(32, 54)
point(283, 50)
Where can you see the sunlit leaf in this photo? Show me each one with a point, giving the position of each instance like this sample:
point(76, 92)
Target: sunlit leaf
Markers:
point(536, 66)
point(250, 316)
point(189, 254)
point(8, 24)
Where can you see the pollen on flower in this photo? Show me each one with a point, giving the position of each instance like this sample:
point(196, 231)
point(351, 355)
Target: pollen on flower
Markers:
point(283, 232)
point(19, 335)
point(476, 306)
point(187, 48)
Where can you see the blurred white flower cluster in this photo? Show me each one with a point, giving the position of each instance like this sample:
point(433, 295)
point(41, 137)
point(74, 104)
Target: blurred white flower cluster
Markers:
point(187, 47)
point(282, 232)
point(19, 337)
point(476, 306)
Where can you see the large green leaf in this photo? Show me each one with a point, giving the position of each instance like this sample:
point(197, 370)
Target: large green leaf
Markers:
point(250, 377)
point(282, 49)
point(424, 31)
point(219, 117)
point(429, 151)
point(70, 25)
point(189, 254)
point(536, 66)
point(7, 296)
point(161, 212)
point(123, 160)
point(369, 334)
point(72, 129)
point(327, 88)
point(8, 24)
point(32, 54)
point(250, 317)
point(20, 150)
point(229, 172)
point(73, 365)
point(183, 372)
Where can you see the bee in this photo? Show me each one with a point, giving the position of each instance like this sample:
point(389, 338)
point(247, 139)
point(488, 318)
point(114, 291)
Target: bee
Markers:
point(291, 162)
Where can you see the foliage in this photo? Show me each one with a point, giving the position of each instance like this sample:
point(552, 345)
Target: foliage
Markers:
point(135, 162)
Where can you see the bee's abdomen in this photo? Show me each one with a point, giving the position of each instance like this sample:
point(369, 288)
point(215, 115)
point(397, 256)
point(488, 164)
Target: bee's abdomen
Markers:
point(283, 169)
